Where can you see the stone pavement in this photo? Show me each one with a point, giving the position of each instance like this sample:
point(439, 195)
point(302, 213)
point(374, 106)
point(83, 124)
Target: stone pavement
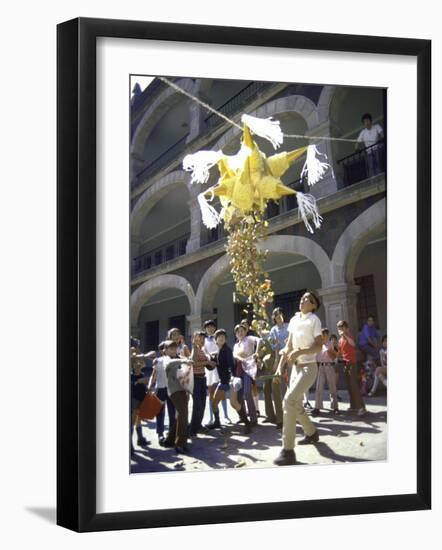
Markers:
point(343, 438)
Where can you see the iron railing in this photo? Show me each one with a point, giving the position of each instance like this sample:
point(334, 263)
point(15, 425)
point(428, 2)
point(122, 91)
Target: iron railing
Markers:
point(152, 167)
point(160, 255)
point(363, 164)
point(235, 103)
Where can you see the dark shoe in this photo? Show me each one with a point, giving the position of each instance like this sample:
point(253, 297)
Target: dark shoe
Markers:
point(279, 425)
point(285, 458)
point(182, 450)
point(168, 444)
point(336, 412)
point(307, 405)
point(253, 422)
point(213, 425)
point(268, 420)
point(315, 412)
point(309, 439)
point(161, 439)
point(248, 428)
point(142, 442)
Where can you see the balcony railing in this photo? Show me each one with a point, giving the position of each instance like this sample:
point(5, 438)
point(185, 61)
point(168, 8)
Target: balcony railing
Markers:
point(213, 235)
point(287, 203)
point(363, 164)
point(169, 154)
point(235, 103)
point(160, 255)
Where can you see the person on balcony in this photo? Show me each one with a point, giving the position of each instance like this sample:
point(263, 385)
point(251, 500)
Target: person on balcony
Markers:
point(369, 140)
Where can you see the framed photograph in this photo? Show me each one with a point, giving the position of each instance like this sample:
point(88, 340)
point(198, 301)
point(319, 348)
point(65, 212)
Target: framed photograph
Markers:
point(243, 215)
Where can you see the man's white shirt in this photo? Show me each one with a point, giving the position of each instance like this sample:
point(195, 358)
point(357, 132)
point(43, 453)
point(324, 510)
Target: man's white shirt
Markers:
point(372, 136)
point(304, 327)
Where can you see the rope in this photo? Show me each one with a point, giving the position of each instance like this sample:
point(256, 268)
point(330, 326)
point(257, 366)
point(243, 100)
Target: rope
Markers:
point(233, 123)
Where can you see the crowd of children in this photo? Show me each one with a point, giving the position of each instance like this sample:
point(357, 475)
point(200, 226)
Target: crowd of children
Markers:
point(211, 371)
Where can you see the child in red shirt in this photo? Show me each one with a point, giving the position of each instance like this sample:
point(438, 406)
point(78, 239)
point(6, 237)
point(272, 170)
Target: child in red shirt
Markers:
point(347, 351)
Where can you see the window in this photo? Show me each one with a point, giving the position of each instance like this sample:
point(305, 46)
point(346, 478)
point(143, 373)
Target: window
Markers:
point(242, 310)
point(289, 302)
point(151, 335)
point(170, 252)
point(179, 322)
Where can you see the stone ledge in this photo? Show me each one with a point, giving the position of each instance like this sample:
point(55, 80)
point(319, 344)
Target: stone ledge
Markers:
point(343, 197)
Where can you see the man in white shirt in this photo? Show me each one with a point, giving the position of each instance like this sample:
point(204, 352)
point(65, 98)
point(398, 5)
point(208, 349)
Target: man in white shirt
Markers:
point(371, 135)
point(304, 342)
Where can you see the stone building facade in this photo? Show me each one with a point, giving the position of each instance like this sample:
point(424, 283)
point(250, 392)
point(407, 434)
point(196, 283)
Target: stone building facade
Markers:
point(180, 273)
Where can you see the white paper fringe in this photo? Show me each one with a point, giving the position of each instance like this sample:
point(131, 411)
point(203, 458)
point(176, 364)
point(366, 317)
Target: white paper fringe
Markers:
point(209, 215)
point(200, 163)
point(307, 209)
point(236, 162)
point(266, 128)
point(314, 167)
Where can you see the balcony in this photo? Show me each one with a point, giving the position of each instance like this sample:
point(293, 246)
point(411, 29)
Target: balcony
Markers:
point(363, 164)
point(161, 255)
point(287, 203)
point(161, 161)
point(235, 103)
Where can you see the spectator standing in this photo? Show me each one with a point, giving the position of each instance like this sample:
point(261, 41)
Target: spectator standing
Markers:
point(159, 380)
point(225, 368)
point(380, 372)
point(369, 339)
point(179, 396)
point(326, 371)
point(201, 361)
point(304, 342)
point(347, 351)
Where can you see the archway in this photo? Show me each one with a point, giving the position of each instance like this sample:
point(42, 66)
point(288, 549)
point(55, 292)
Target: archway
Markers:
point(159, 302)
point(366, 227)
point(286, 252)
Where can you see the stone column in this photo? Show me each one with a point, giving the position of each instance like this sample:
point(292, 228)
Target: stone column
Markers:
point(197, 114)
point(135, 332)
point(194, 322)
point(137, 163)
point(340, 303)
point(194, 241)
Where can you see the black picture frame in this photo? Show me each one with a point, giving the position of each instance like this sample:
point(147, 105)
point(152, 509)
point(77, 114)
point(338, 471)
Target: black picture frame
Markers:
point(76, 273)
